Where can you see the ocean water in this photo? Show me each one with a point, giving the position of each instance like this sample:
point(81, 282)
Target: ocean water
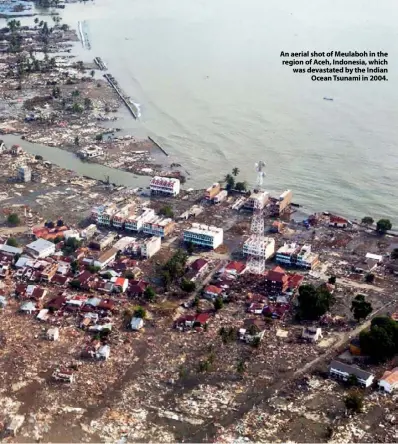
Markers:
point(207, 75)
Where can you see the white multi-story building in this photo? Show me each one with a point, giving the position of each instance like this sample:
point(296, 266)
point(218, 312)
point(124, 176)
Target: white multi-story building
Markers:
point(165, 185)
point(296, 256)
point(119, 218)
point(136, 221)
point(24, 174)
point(159, 226)
point(150, 246)
point(205, 236)
point(103, 214)
point(264, 248)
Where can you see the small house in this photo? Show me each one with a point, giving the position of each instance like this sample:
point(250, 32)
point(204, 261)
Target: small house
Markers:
point(256, 308)
point(53, 334)
point(311, 334)
point(28, 307)
point(253, 330)
point(136, 323)
point(212, 292)
point(342, 371)
point(338, 222)
point(103, 353)
point(389, 380)
point(120, 284)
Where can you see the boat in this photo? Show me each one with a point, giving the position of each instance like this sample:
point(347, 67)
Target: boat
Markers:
point(328, 98)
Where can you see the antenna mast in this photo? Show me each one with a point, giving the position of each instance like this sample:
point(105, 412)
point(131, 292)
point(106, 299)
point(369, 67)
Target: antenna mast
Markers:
point(256, 261)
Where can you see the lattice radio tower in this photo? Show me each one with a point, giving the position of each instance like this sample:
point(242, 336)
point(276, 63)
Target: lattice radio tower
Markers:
point(256, 261)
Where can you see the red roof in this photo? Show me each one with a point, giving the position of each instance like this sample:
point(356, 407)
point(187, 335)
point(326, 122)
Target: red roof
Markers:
point(239, 267)
point(198, 264)
point(338, 219)
point(276, 276)
point(295, 280)
point(213, 289)
point(202, 318)
point(278, 269)
point(120, 281)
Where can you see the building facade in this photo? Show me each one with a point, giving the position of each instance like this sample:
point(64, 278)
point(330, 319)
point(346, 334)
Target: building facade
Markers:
point(24, 174)
point(150, 246)
point(204, 236)
point(212, 191)
point(165, 185)
point(158, 226)
point(40, 248)
point(292, 255)
point(136, 221)
point(257, 199)
point(264, 249)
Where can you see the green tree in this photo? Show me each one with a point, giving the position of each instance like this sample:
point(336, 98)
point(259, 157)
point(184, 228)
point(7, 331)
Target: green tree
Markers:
point(204, 366)
point(166, 211)
point(76, 108)
point(235, 171)
point(241, 186)
point(71, 245)
point(313, 302)
point(354, 402)
point(380, 342)
point(128, 274)
point(190, 248)
point(75, 284)
point(107, 275)
point(74, 266)
point(369, 278)
point(99, 137)
point(360, 307)
point(12, 242)
point(230, 181)
point(150, 294)
point(383, 225)
point(332, 280)
point(140, 312)
point(166, 278)
point(367, 220)
point(93, 269)
point(394, 254)
point(218, 304)
point(88, 104)
point(13, 220)
point(241, 366)
point(188, 286)
point(352, 381)
point(92, 73)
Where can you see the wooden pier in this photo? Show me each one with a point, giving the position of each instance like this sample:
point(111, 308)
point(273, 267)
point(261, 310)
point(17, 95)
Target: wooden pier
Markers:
point(112, 81)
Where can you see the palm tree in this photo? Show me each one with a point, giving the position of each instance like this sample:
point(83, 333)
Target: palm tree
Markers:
point(92, 73)
point(36, 20)
point(227, 178)
point(235, 171)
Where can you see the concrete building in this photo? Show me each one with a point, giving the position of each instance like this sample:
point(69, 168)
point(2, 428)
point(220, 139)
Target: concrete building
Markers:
point(221, 196)
point(120, 217)
point(103, 241)
point(103, 214)
point(264, 249)
point(71, 233)
point(135, 222)
point(159, 226)
point(123, 243)
point(343, 371)
point(91, 152)
point(106, 258)
point(88, 232)
point(259, 198)
point(40, 248)
point(293, 255)
point(165, 185)
point(205, 236)
point(212, 191)
point(150, 246)
point(282, 203)
point(49, 272)
point(24, 174)
point(389, 381)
